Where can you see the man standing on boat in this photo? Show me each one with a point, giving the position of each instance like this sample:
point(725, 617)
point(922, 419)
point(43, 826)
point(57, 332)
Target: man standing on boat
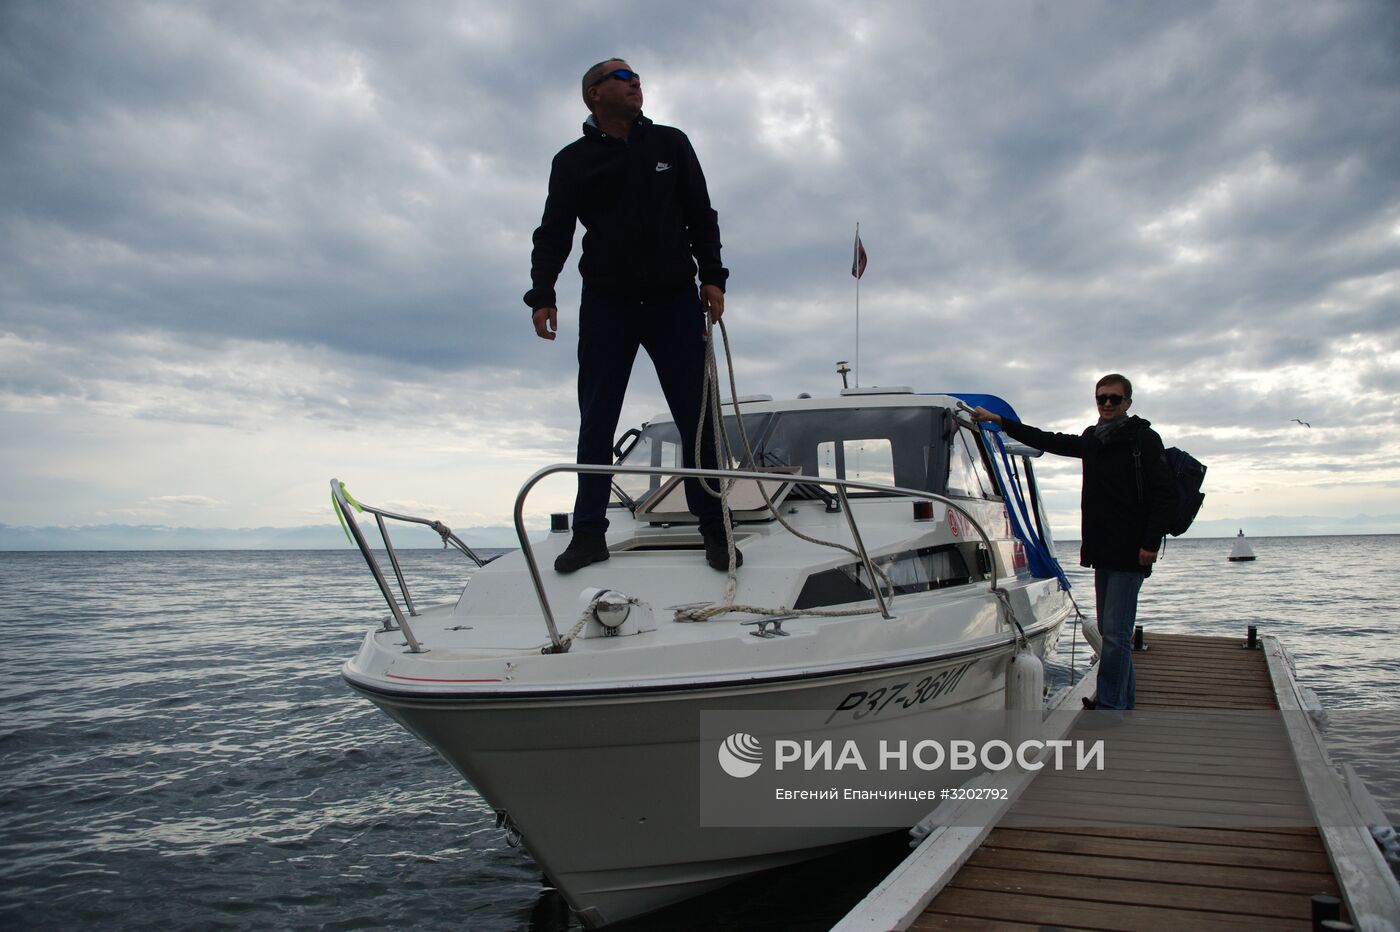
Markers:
point(638, 190)
point(1125, 504)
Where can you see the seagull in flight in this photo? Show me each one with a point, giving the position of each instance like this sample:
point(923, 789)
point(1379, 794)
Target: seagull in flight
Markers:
point(1304, 423)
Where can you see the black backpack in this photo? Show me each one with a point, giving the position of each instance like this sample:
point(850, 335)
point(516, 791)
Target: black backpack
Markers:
point(1188, 474)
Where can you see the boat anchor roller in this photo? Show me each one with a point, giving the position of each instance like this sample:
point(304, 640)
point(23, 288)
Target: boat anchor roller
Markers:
point(607, 613)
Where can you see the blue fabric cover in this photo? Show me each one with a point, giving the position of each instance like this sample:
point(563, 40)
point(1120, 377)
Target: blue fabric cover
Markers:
point(1042, 563)
point(991, 402)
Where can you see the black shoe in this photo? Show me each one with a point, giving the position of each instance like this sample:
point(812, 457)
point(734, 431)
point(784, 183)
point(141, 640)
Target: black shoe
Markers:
point(583, 549)
point(1089, 703)
point(717, 549)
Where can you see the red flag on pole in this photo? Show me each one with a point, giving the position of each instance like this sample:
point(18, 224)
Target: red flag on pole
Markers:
point(858, 258)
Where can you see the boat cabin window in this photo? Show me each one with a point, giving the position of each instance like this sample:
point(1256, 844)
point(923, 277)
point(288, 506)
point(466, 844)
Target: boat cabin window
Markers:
point(870, 460)
point(904, 446)
point(982, 463)
point(962, 481)
point(910, 571)
point(659, 445)
point(1031, 491)
point(969, 472)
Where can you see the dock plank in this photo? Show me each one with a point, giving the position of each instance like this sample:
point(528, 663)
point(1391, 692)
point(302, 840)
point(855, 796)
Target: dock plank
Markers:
point(968, 904)
point(1193, 873)
point(1289, 904)
point(931, 923)
point(1226, 847)
point(1130, 873)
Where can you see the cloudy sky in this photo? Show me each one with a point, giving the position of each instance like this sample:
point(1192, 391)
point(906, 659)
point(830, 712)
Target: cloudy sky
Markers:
point(250, 246)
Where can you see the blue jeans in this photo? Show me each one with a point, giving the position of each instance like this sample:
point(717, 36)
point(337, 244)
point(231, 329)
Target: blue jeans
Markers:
point(1116, 595)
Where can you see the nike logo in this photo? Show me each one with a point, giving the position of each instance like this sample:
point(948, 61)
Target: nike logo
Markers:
point(662, 166)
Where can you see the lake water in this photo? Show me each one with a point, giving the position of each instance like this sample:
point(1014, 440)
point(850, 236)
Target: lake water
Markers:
point(178, 751)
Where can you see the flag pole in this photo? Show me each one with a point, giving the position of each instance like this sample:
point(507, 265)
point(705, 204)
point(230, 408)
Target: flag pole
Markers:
point(857, 252)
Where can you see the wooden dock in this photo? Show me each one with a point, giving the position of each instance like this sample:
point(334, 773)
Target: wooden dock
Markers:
point(1193, 867)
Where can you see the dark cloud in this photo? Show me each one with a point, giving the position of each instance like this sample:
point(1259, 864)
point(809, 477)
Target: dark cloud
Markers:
point(1202, 194)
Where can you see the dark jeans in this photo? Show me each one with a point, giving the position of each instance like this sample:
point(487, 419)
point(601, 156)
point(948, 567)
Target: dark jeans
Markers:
point(671, 329)
point(1116, 595)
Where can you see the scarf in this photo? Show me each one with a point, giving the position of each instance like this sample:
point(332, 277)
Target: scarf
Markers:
point(1104, 430)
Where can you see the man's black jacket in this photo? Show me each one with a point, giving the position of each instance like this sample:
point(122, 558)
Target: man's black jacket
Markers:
point(1123, 507)
point(645, 211)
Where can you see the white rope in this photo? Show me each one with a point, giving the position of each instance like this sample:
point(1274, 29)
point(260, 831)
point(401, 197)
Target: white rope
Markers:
point(710, 611)
point(724, 459)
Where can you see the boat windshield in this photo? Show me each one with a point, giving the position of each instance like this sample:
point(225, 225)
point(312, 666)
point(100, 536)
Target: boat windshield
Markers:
point(904, 446)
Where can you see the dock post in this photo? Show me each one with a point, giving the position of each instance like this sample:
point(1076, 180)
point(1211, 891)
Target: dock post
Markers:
point(1325, 907)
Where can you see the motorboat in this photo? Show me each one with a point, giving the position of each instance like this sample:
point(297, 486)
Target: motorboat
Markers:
point(889, 544)
point(1240, 551)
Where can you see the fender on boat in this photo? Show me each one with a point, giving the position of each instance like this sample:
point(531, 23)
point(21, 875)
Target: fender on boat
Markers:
point(1025, 696)
point(1092, 634)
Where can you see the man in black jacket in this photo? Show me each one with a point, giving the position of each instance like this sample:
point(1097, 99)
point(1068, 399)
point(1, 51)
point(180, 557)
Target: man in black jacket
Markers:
point(1125, 505)
point(638, 190)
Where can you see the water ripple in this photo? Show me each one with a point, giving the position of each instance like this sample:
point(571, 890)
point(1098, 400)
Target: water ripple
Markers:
point(179, 752)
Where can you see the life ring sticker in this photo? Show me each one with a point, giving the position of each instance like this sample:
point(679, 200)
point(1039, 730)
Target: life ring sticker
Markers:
point(954, 527)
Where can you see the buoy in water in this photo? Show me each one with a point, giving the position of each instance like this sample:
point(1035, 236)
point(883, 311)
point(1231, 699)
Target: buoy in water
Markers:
point(1241, 551)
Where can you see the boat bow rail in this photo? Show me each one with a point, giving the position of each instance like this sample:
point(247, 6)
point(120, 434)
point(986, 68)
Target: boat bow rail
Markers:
point(559, 644)
point(344, 504)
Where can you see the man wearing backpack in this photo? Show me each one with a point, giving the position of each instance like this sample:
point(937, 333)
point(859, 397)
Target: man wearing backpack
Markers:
point(1126, 506)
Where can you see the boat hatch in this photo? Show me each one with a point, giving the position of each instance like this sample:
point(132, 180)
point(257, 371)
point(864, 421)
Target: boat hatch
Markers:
point(747, 499)
point(653, 543)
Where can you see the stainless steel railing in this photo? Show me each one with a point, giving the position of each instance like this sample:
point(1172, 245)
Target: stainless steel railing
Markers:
point(559, 645)
point(344, 503)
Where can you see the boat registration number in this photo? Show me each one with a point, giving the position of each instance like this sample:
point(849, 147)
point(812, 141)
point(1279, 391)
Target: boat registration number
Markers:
point(901, 695)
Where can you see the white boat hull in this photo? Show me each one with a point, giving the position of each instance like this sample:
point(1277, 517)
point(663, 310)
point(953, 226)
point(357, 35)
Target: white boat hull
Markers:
point(605, 788)
point(585, 723)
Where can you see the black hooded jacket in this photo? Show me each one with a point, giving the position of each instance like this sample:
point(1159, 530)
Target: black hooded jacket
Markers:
point(645, 211)
point(1124, 507)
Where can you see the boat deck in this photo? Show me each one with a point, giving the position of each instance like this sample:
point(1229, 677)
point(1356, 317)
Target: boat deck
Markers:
point(1139, 875)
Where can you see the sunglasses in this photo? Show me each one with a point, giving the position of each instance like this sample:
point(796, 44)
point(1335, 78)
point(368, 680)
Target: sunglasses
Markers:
point(1108, 401)
point(621, 74)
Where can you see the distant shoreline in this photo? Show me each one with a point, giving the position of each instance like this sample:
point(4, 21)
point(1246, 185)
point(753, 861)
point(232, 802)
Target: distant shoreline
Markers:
point(349, 548)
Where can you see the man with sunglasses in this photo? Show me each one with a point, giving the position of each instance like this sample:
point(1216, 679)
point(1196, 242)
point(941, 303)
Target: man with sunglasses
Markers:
point(1125, 504)
point(638, 190)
